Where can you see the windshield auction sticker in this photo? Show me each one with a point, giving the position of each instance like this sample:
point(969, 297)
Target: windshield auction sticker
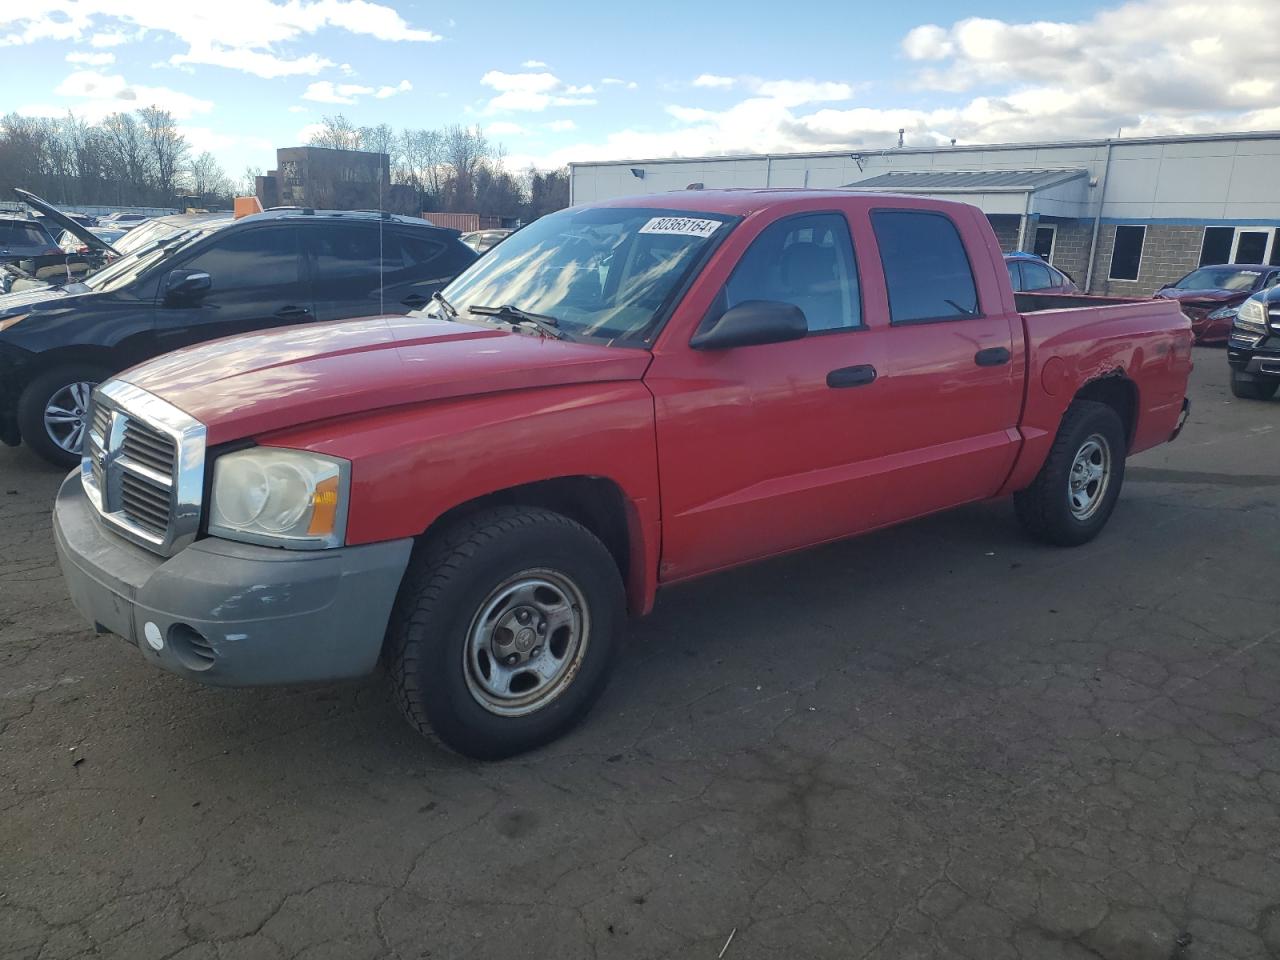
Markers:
point(681, 226)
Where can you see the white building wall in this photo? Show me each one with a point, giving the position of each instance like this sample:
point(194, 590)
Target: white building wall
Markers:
point(1228, 179)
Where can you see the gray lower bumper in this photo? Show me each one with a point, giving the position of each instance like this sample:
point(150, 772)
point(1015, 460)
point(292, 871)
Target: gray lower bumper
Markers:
point(227, 613)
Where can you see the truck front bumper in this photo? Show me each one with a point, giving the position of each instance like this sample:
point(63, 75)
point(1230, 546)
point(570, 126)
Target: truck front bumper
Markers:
point(227, 613)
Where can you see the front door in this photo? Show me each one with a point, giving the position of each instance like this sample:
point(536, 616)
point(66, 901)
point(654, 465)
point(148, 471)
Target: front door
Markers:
point(257, 282)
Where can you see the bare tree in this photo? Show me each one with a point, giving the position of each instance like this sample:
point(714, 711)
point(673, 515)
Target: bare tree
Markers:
point(381, 139)
point(464, 151)
point(127, 155)
point(248, 185)
point(206, 177)
point(168, 148)
point(336, 133)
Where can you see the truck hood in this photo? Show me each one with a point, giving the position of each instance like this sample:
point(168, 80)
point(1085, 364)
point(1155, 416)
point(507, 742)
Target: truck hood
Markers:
point(253, 384)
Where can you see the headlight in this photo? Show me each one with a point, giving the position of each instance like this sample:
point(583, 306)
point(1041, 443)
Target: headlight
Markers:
point(7, 322)
point(1252, 314)
point(282, 498)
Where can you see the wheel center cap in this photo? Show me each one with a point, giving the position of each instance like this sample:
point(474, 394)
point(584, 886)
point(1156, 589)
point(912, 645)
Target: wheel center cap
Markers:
point(524, 639)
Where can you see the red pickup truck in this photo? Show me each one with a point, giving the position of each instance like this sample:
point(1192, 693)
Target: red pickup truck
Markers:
point(618, 397)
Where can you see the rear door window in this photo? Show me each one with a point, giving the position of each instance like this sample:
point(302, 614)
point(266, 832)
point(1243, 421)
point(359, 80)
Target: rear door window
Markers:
point(18, 234)
point(926, 269)
point(1036, 276)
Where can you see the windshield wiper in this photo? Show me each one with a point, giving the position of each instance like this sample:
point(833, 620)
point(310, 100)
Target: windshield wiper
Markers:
point(449, 308)
point(547, 325)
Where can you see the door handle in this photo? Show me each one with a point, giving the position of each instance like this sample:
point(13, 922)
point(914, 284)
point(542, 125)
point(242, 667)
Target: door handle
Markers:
point(858, 376)
point(991, 357)
point(415, 300)
point(292, 313)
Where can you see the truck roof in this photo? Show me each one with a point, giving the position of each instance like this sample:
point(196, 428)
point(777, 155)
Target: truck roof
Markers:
point(746, 200)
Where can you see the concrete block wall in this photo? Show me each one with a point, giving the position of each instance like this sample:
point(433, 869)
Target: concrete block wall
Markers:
point(1006, 229)
point(1071, 247)
point(1168, 252)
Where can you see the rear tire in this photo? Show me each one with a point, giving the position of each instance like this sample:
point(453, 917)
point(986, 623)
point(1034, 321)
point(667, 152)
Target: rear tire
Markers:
point(1072, 497)
point(53, 410)
point(505, 631)
point(1247, 386)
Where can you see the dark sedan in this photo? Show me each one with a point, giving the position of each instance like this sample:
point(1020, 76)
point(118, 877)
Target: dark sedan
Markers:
point(1211, 296)
point(213, 280)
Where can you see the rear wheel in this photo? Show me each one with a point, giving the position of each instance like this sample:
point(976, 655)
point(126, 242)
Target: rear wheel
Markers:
point(1248, 386)
point(505, 631)
point(53, 411)
point(1072, 497)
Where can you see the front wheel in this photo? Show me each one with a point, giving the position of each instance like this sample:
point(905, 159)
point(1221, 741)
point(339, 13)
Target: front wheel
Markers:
point(1248, 386)
point(53, 411)
point(505, 630)
point(1072, 497)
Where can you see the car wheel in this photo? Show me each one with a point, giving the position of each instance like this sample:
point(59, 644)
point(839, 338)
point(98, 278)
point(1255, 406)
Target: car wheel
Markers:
point(505, 630)
point(1246, 386)
point(1075, 491)
point(53, 411)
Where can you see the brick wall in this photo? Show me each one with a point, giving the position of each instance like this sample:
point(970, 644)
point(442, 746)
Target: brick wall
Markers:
point(1006, 228)
point(1168, 253)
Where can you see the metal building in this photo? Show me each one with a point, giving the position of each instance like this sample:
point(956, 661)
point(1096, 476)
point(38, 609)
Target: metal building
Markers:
point(1125, 215)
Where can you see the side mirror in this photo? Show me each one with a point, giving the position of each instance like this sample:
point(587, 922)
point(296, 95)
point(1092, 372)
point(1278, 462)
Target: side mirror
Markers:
point(751, 323)
point(186, 286)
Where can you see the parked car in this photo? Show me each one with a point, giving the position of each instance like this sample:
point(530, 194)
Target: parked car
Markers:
point(1028, 273)
point(126, 221)
point(619, 397)
point(74, 243)
point(1211, 295)
point(1253, 349)
point(22, 238)
point(267, 270)
point(482, 241)
point(84, 219)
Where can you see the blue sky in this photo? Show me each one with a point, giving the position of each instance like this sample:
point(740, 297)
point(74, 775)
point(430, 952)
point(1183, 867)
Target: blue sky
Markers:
point(576, 80)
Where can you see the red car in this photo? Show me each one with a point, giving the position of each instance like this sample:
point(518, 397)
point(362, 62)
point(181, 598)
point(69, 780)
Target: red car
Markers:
point(1211, 295)
point(617, 398)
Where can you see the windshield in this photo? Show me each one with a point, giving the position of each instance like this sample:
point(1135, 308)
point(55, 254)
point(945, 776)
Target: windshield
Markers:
point(128, 268)
point(605, 273)
point(1219, 278)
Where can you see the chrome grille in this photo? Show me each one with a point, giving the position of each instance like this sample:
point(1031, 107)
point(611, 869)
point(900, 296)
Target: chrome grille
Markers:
point(1274, 314)
point(143, 468)
point(148, 447)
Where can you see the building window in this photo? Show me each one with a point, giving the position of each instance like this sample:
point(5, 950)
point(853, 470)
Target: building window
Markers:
point(1046, 237)
point(1239, 245)
point(1126, 254)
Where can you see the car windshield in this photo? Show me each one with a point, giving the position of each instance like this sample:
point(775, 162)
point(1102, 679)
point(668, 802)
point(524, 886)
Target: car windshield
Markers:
point(1219, 278)
point(128, 268)
point(606, 273)
point(19, 233)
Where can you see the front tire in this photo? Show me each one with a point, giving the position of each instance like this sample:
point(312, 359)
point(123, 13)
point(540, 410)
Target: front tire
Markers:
point(505, 631)
point(53, 411)
point(1073, 495)
point(1247, 386)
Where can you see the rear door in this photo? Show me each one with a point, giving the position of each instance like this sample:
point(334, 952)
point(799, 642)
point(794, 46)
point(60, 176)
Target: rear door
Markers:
point(952, 383)
point(257, 282)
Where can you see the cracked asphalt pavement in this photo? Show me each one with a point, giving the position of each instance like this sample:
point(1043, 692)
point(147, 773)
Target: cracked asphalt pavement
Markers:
point(941, 740)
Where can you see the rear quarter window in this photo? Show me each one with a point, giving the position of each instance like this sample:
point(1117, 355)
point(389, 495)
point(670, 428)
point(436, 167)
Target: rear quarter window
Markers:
point(926, 270)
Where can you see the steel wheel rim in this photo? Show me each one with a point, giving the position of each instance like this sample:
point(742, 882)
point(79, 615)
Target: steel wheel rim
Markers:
point(66, 415)
point(526, 643)
point(1089, 477)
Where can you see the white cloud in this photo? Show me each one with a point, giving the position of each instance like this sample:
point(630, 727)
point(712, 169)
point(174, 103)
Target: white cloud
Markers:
point(404, 86)
point(99, 94)
point(711, 80)
point(305, 133)
point(239, 35)
point(617, 82)
point(298, 108)
point(204, 138)
point(91, 59)
point(532, 92)
point(504, 128)
point(561, 126)
point(326, 91)
point(534, 65)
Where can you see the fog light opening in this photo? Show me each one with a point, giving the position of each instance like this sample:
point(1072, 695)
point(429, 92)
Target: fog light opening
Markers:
point(191, 647)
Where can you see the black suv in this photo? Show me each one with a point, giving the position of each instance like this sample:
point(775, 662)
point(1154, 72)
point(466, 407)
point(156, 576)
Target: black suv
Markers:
point(1253, 349)
point(277, 268)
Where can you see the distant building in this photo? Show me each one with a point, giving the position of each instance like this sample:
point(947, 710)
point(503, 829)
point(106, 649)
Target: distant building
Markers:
point(1125, 215)
point(326, 179)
